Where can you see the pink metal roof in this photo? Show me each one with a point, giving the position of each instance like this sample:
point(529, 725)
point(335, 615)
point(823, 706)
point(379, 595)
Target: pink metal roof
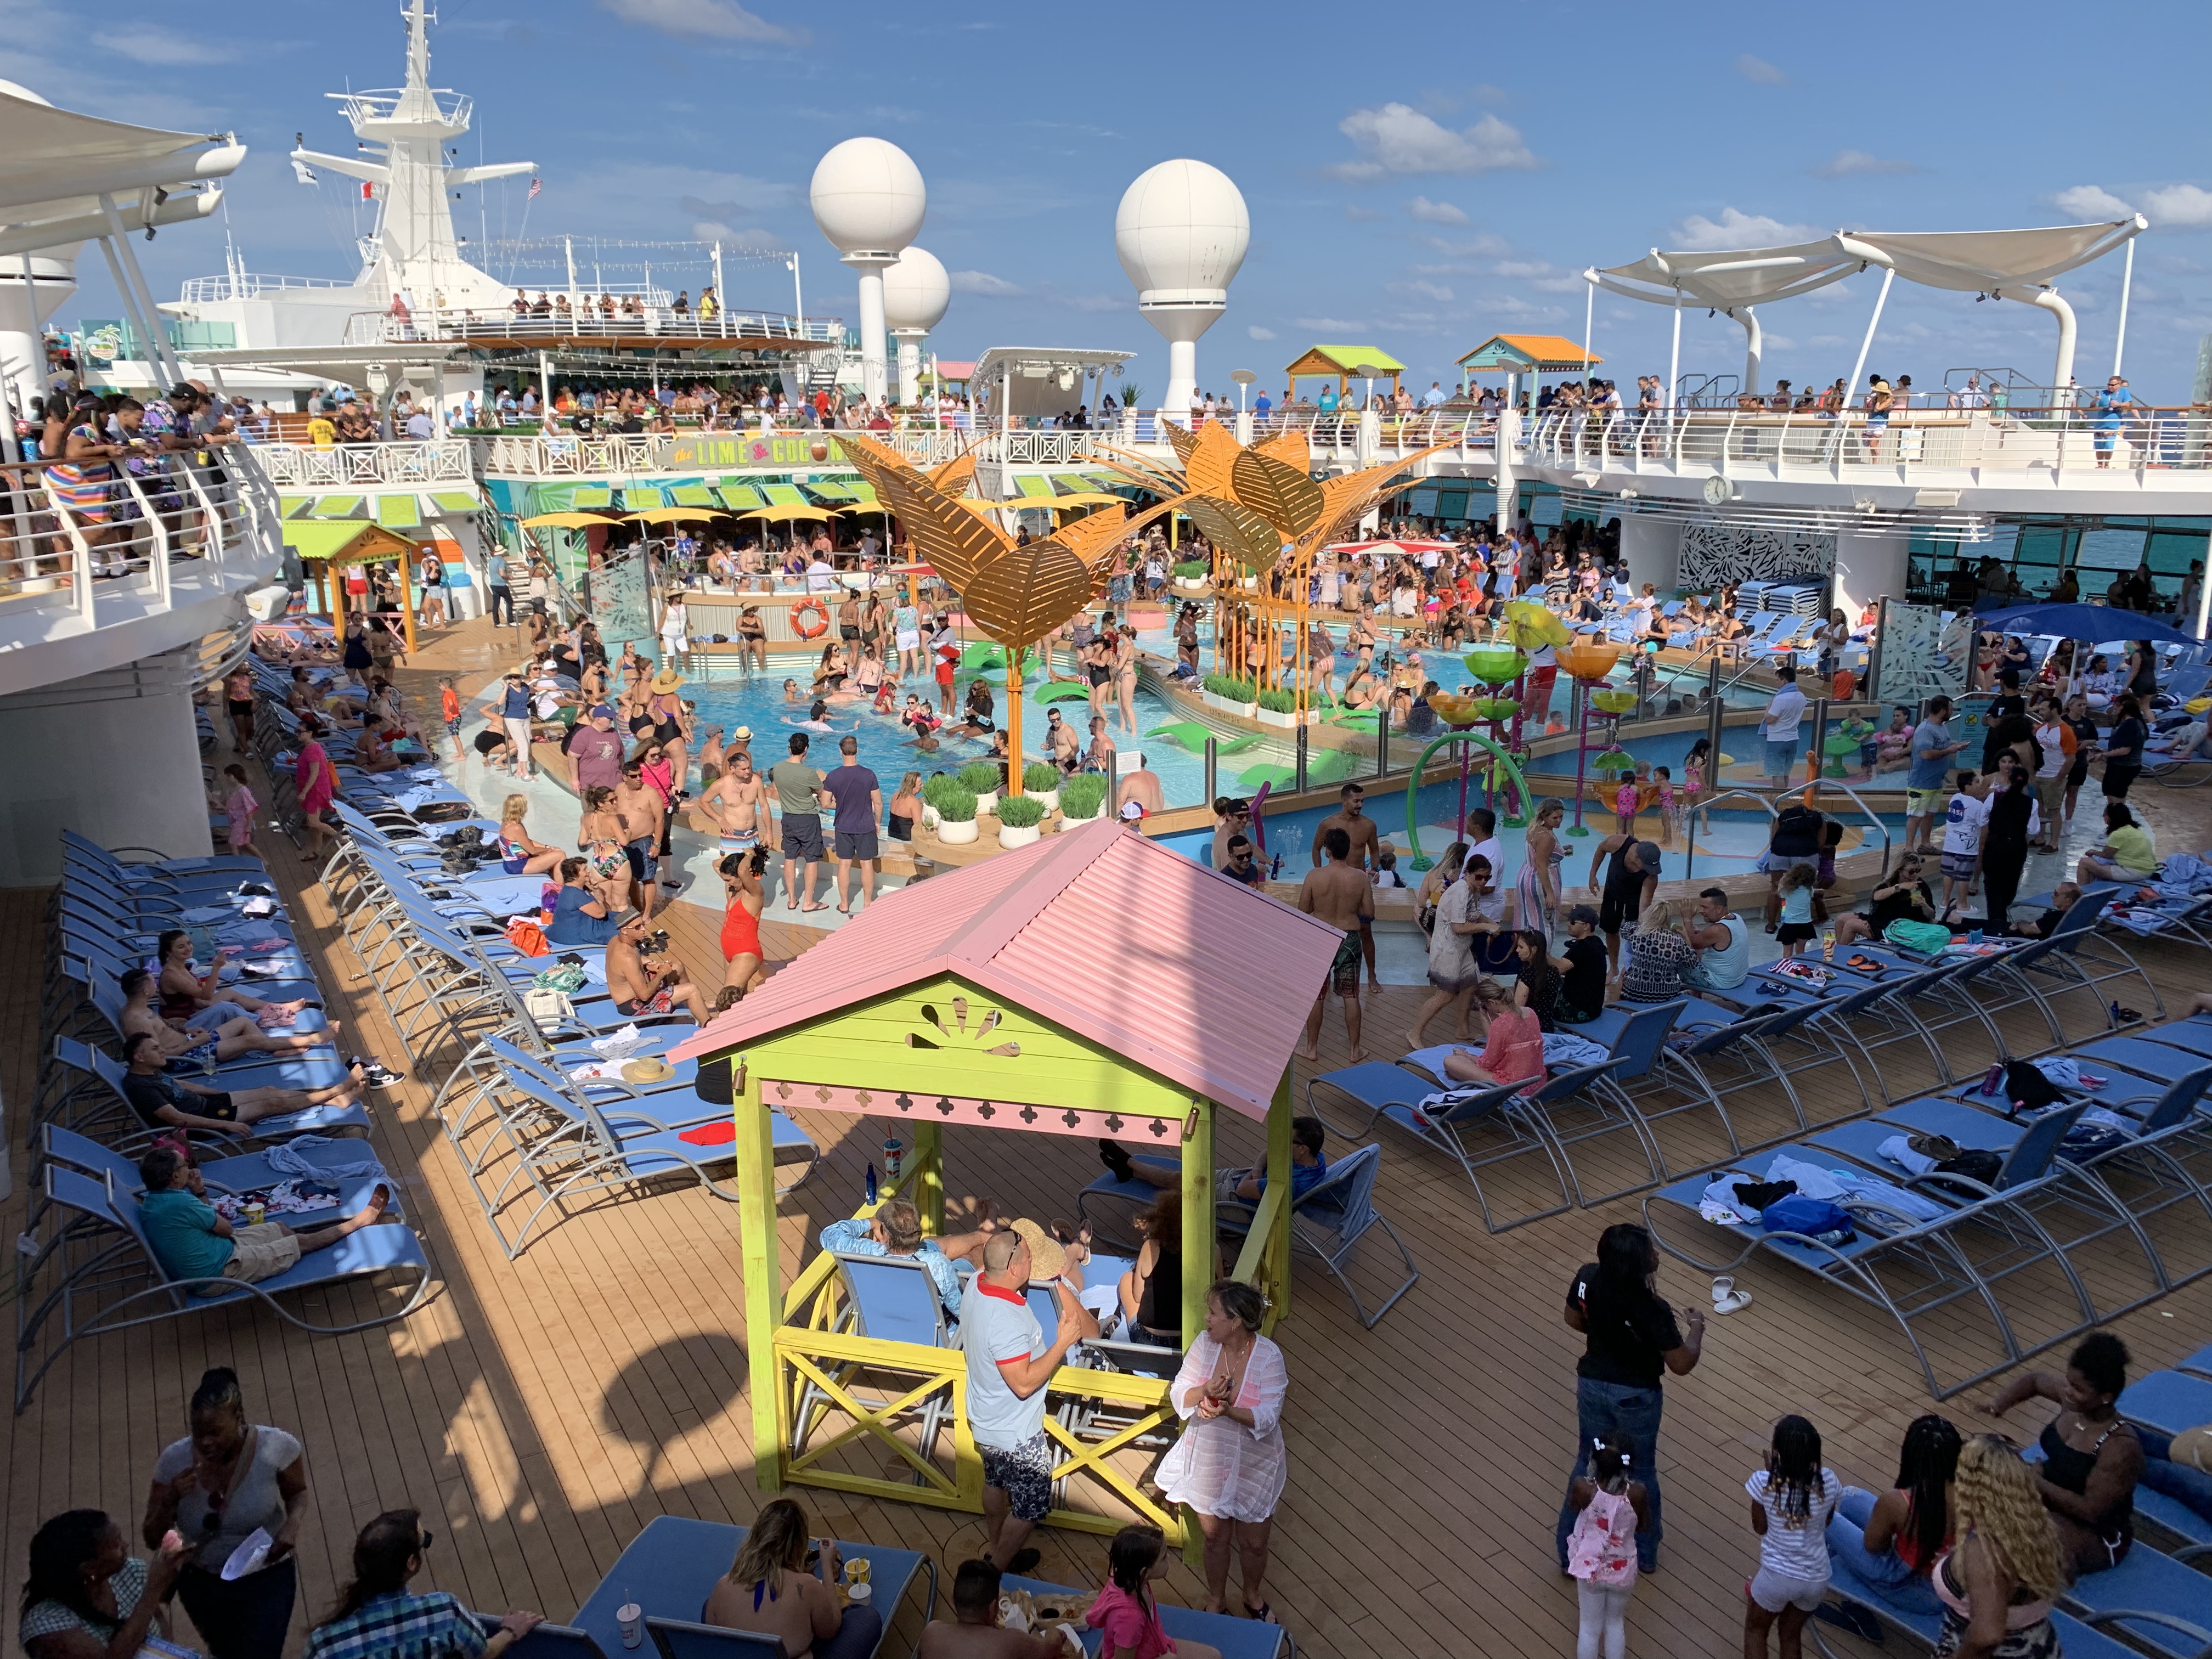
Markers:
point(1099, 931)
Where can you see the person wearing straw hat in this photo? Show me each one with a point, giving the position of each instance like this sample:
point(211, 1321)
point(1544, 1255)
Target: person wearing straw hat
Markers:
point(1009, 1364)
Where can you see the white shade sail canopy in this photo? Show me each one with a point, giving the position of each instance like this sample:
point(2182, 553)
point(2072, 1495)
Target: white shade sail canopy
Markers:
point(60, 162)
point(1964, 261)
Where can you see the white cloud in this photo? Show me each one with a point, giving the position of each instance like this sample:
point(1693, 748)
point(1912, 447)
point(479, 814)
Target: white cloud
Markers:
point(981, 282)
point(2179, 207)
point(1737, 228)
point(705, 19)
point(1331, 326)
point(149, 43)
point(1855, 163)
point(1398, 138)
point(1481, 245)
point(1257, 332)
point(1426, 290)
point(1436, 212)
point(2091, 202)
point(1361, 215)
point(1095, 303)
point(1759, 71)
point(744, 241)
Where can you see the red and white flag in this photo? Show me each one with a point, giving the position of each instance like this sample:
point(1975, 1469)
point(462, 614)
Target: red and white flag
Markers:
point(535, 185)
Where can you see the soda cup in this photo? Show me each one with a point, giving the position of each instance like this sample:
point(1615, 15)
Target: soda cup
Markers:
point(255, 1213)
point(1828, 945)
point(894, 1158)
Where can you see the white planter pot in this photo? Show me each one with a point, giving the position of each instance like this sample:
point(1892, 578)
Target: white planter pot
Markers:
point(1066, 818)
point(986, 803)
point(1191, 584)
point(1010, 836)
point(1212, 700)
point(1250, 582)
point(1272, 717)
point(956, 833)
point(1047, 798)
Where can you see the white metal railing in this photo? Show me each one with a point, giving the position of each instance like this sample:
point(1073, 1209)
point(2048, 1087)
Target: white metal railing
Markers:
point(122, 549)
point(433, 461)
point(247, 285)
point(582, 327)
point(1737, 442)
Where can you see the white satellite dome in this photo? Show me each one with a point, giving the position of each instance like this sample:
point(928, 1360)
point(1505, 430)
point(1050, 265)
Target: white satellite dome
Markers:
point(868, 198)
point(916, 290)
point(1181, 233)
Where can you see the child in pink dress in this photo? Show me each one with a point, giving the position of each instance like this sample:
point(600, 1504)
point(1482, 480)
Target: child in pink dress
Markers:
point(1601, 1549)
point(1126, 1612)
point(240, 805)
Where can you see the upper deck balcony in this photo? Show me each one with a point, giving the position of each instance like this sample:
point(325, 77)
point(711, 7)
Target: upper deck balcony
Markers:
point(137, 565)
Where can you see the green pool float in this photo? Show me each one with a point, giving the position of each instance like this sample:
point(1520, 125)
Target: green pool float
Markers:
point(1193, 735)
point(1063, 693)
point(1282, 777)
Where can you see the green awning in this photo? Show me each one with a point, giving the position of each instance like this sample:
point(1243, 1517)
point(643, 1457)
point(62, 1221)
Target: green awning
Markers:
point(1034, 486)
point(740, 498)
point(784, 495)
point(398, 511)
point(293, 506)
point(313, 539)
point(862, 489)
point(690, 495)
point(455, 500)
point(336, 507)
point(1072, 484)
point(586, 495)
point(831, 492)
point(636, 498)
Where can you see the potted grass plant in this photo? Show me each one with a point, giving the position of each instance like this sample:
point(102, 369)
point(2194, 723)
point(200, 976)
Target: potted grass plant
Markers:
point(1020, 820)
point(980, 779)
point(1082, 797)
point(1041, 783)
point(956, 817)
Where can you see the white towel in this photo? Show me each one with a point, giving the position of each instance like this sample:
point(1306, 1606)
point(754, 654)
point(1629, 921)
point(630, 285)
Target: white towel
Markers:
point(1899, 1151)
point(286, 1160)
point(621, 1043)
point(1812, 1179)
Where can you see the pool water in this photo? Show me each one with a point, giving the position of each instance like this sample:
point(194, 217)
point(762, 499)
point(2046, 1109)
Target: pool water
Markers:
point(731, 700)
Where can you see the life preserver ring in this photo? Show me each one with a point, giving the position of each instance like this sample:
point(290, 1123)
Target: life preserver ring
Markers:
point(821, 619)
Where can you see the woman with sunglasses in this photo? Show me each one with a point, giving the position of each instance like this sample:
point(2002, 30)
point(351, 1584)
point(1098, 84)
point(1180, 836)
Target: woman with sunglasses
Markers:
point(217, 1486)
point(377, 1618)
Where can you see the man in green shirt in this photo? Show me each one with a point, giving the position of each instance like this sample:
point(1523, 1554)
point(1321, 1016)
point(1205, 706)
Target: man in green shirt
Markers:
point(191, 1241)
point(799, 799)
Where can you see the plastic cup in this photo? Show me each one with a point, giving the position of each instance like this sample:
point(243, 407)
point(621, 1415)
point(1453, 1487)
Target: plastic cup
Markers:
point(629, 1618)
point(858, 1594)
point(858, 1570)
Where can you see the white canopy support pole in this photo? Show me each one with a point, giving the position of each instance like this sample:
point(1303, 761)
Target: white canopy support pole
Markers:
point(1674, 358)
point(132, 280)
point(2127, 281)
point(568, 248)
point(1589, 317)
point(1754, 346)
point(1851, 386)
point(2204, 594)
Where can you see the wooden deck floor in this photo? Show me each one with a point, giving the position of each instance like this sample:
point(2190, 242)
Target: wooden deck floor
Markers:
point(544, 1410)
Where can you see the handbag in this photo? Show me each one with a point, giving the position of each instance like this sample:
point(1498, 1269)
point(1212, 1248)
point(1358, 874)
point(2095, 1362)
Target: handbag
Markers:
point(1927, 938)
point(549, 1009)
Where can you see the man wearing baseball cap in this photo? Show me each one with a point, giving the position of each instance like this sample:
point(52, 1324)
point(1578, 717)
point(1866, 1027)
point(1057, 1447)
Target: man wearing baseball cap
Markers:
point(595, 751)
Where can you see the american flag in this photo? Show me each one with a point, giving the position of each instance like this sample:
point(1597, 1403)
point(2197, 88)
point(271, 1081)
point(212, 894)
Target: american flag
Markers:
point(535, 185)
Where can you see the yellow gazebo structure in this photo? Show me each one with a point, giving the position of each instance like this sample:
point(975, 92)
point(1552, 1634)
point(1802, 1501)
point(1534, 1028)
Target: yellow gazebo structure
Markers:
point(970, 1002)
point(328, 546)
point(1341, 363)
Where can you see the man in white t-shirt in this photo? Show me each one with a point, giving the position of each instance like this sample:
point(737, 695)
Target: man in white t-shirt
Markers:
point(1009, 1364)
point(820, 578)
point(1482, 833)
point(1784, 713)
point(1964, 822)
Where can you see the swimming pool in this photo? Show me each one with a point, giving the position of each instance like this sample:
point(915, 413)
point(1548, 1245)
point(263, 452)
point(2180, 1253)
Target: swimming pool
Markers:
point(759, 701)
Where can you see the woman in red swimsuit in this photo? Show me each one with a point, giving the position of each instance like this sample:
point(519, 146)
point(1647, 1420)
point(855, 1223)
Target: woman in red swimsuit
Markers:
point(741, 939)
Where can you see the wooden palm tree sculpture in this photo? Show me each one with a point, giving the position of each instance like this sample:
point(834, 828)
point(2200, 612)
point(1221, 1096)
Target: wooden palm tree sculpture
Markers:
point(1262, 508)
point(1015, 594)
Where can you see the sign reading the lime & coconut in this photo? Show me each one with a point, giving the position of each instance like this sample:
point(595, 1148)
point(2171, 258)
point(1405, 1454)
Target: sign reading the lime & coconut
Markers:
point(717, 451)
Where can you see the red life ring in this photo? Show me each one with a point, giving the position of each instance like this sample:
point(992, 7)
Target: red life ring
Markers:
point(822, 619)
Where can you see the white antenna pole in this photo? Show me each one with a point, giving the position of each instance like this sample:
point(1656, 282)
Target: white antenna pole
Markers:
point(798, 299)
point(568, 247)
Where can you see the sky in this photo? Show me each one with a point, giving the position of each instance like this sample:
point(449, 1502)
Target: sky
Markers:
point(1417, 179)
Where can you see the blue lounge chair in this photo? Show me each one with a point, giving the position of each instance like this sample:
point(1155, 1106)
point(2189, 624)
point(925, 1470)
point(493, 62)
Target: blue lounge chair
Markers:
point(226, 1174)
point(685, 1639)
point(668, 1569)
point(1236, 1639)
point(1328, 1222)
point(2169, 1401)
point(110, 1279)
point(1915, 1269)
point(2151, 1596)
point(546, 1641)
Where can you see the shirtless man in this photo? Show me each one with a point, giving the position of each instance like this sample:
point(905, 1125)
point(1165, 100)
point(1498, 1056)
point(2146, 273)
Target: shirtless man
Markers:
point(1339, 893)
point(642, 985)
point(195, 1044)
point(735, 802)
point(1061, 745)
point(641, 808)
point(712, 760)
point(974, 1631)
point(1358, 827)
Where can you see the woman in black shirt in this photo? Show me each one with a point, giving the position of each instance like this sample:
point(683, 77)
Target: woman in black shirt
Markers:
point(2085, 745)
point(2123, 750)
point(1632, 1341)
point(1900, 897)
point(2004, 845)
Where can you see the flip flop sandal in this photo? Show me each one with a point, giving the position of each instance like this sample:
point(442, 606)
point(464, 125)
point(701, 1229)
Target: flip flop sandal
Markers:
point(2130, 1016)
point(1263, 1612)
point(1733, 1302)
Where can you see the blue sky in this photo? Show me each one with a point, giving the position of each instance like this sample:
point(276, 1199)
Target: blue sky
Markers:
point(1417, 177)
